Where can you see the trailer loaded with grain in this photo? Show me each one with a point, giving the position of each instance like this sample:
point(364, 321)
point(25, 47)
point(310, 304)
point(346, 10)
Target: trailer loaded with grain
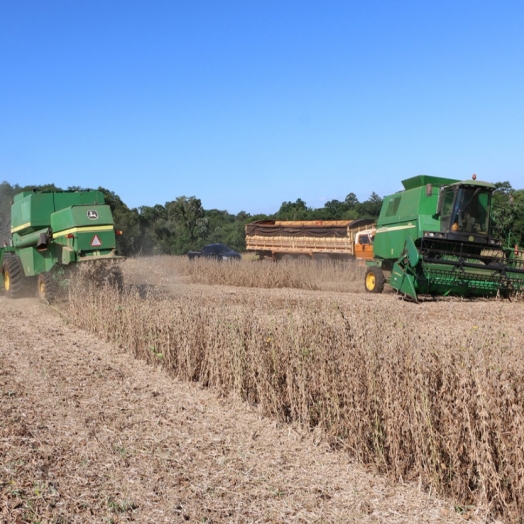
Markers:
point(53, 232)
point(436, 237)
point(311, 239)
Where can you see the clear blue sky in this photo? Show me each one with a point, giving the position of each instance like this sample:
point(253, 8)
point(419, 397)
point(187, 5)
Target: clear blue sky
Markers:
point(246, 104)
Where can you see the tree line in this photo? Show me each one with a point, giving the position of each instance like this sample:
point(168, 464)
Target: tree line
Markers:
point(183, 224)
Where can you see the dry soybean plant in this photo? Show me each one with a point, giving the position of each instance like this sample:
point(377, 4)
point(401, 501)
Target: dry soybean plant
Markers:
point(418, 402)
point(324, 275)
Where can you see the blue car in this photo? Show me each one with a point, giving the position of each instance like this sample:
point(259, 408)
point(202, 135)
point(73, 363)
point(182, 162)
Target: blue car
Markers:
point(216, 251)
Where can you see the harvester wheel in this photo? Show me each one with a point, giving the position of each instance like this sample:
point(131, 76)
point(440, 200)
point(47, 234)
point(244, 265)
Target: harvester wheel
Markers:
point(374, 280)
point(46, 287)
point(13, 274)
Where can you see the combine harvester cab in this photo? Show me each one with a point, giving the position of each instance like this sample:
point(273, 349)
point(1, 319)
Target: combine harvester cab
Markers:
point(435, 237)
point(53, 232)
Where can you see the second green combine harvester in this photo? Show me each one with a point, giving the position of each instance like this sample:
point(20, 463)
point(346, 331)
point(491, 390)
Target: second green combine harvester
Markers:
point(435, 237)
point(53, 232)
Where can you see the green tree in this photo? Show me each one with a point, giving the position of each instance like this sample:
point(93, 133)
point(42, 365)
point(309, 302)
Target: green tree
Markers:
point(187, 219)
point(154, 234)
point(370, 208)
point(351, 200)
point(335, 209)
point(151, 220)
point(297, 210)
point(508, 214)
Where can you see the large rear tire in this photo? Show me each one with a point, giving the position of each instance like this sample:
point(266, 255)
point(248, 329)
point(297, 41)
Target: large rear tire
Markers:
point(46, 287)
point(374, 280)
point(13, 274)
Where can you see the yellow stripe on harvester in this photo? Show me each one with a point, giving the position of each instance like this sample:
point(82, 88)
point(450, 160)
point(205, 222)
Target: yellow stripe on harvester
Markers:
point(385, 229)
point(85, 229)
point(18, 228)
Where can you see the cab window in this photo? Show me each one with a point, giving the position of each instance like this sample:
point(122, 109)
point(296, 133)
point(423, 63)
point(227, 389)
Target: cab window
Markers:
point(447, 196)
point(471, 211)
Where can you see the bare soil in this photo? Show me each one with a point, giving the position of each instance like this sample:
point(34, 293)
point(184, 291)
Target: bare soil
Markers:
point(88, 434)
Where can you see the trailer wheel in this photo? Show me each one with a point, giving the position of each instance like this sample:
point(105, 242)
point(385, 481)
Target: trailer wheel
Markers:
point(13, 274)
point(46, 287)
point(374, 280)
point(287, 258)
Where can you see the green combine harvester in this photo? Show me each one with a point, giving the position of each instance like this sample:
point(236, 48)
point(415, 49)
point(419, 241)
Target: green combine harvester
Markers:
point(435, 237)
point(53, 232)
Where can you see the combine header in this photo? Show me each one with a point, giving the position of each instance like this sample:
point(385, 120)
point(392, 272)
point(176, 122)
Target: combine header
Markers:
point(52, 232)
point(435, 237)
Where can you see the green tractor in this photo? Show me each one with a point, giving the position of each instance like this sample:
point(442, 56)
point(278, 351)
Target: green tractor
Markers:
point(53, 232)
point(435, 237)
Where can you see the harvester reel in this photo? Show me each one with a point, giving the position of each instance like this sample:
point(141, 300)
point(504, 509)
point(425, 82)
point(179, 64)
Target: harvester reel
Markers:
point(13, 274)
point(374, 280)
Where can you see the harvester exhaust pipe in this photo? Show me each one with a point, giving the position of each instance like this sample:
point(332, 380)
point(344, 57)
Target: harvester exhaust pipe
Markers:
point(41, 244)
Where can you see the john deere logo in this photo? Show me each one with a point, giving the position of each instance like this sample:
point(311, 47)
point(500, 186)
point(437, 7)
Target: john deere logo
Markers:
point(471, 238)
point(92, 214)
